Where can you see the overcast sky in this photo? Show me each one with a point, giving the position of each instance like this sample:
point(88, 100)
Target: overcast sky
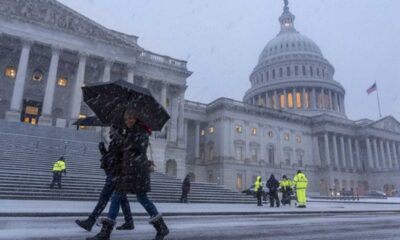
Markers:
point(222, 39)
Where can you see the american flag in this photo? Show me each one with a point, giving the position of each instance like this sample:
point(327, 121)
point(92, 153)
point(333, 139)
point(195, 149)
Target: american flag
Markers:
point(372, 88)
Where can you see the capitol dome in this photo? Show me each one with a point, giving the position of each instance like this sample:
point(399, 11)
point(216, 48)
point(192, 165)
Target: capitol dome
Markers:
point(293, 75)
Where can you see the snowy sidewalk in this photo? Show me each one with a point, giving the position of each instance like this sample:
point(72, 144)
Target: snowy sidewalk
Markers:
point(29, 208)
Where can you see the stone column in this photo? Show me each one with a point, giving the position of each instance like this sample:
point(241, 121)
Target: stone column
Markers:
point(395, 156)
point(131, 73)
point(376, 156)
point(327, 154)
point(267, 100)
point(382, 154)
point(107, 70)
point(276, 102)
point(285, 105)
point(370, 164)
point(322, 98)
point(164, 95)
point(335, 102)
point(398, 151)
point(330, 100)
point(185, 131)
point(303, 99)
point(14, 114)
point(351, 153)
point(389, 154)
point(342, 104)
point(294, 98)
point(46, 118)
point(181, 116)
point(313, 99)
point(343, 153)
point(197, 141)
point(76, 97)
point(335, 152)
point(357, 145)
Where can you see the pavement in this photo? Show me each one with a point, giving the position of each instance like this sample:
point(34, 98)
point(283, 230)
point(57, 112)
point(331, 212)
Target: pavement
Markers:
point(44, 208)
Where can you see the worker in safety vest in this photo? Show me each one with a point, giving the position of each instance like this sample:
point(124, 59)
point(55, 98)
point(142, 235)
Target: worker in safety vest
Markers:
point(258, 188)
point(286, 188)
point(58, 168)
point(300, 183)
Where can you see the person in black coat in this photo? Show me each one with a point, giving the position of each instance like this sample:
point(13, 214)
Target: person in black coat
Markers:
point(110, 161)
point(186, 187)
point(133, 177)
point(273, 186)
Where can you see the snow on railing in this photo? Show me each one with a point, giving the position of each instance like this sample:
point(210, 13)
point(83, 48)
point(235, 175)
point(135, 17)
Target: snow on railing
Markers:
point(162, 59)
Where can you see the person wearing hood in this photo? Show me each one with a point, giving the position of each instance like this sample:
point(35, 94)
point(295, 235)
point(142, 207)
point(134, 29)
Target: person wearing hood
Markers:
point(300, 182)
point(286, 188)
point(258, 188)
point(273, 186)
point(133, 177)
point(59, 167)
point(186, 187)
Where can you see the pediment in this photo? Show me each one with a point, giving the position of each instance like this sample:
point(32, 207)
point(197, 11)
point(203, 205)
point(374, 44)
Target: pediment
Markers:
point(387, 123)
point(54, 15)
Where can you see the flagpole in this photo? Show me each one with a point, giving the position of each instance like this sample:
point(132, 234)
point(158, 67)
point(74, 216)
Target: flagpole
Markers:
point(379, 102)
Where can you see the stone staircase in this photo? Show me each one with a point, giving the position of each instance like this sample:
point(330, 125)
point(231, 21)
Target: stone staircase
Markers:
point(26, 162)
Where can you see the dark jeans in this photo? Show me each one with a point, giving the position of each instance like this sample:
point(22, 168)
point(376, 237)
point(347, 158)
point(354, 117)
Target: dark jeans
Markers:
point(273, 196)
point(259, 195)
point(105, 196)
point(184, 196)
point(142, 199)
point(56, 178)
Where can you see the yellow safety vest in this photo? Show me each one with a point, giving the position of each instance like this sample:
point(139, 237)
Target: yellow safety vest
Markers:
point(300, 181)
point(59, 166)
point(285, 184)
point(257, 184)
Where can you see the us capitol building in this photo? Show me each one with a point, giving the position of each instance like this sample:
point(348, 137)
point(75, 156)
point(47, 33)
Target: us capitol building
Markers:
point(292, 117)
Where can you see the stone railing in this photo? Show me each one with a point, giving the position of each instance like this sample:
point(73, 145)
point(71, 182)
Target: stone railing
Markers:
point(149, 56)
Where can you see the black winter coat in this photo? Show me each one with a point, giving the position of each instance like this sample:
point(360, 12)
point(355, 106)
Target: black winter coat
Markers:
point(134, 174)
point(186, 185)
point(110, 161)
point(272, 184)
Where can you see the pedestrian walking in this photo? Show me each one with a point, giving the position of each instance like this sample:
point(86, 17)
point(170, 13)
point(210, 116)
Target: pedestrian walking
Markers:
point(186, 188)
point(110, 162)
point(59, 167)
point(286, 187)
point(300, 182)
point(273, 186)
point(133, 177)
point(258, 189)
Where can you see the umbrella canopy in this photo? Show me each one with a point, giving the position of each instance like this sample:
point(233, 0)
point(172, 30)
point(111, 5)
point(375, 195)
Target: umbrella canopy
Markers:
point(109, 101)
point(90, 121)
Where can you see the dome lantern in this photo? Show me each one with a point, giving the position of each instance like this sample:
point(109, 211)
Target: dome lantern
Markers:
point(287, 19)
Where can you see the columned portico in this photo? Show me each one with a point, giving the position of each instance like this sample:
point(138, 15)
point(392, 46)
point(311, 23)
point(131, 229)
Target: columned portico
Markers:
point(107, 69)
point(16, 102)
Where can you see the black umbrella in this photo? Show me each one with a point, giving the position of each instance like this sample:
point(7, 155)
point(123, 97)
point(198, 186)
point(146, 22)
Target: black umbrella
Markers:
point(90, 121)
point(109, 101)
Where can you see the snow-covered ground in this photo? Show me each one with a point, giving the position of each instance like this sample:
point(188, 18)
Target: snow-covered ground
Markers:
point(81, 208)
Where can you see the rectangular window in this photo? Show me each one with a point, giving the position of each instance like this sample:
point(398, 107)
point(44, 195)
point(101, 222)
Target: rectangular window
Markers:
point(311, 71)
point(288, 71)
point(286, 136)
point(254, 131)
point(304, 70)
point(254, 154)
point(267, 74)
point(238, 129)
point(298, 100)
point(296, 70)
point(211, 130)
point(239, 153)
point(273, 73)
point(290, 100)
point(31, 110)
point(202, 132)
point(280, 72)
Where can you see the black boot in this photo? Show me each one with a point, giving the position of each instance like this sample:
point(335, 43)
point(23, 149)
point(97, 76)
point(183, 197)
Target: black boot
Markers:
point(160, 226)
point(105, 231)
point(86, 224)
point(128, 225)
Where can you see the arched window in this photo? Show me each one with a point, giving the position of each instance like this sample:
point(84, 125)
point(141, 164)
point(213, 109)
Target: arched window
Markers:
point(296, 70)
point(280, 72)
point(271, 155)
point(273, 74)
point(311, 71)
point(288, 71)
